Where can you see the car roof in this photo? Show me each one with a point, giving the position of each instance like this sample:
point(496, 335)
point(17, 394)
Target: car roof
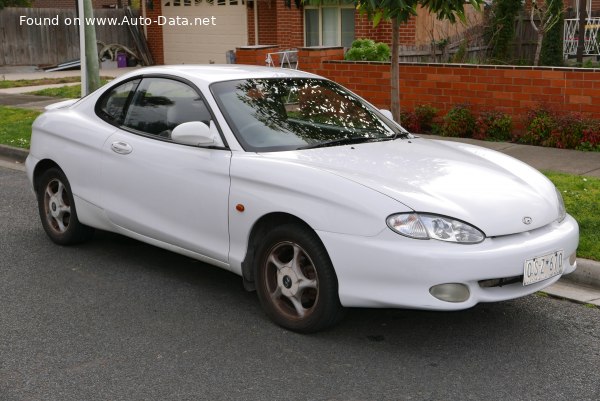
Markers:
point(210, 73)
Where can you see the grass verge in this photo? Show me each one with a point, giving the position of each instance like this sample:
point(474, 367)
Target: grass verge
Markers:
point(65, 92)
point(33, 82)
point(582, 200)
point(43, 81)
point(15, 129)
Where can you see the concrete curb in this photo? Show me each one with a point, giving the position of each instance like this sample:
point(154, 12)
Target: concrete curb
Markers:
point(12, 153)
point(587, 273)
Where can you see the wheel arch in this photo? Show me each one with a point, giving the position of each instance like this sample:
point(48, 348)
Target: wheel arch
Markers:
point(259, 229)
point(41, 167)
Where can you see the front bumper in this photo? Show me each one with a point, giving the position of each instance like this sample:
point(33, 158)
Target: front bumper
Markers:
point(389, 270)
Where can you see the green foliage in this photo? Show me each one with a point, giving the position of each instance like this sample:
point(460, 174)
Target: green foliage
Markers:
point(65, 92)
point(581, 196)
point(494, 126)
point(545, 127)
point(14, 3)
point(378, 10)
point(589, 63)
point(461, 53)
point(425, 115)
point(15, 129)
point(552, 46)
point(368, 50)
point(590, 137)
point(33, 82)
point(421, 120)
point(501, 28)
point(539, 123)
point(459, 122)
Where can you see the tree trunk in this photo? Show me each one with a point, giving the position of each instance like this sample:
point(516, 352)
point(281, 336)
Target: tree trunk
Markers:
point(538, 47)
point(395, 83)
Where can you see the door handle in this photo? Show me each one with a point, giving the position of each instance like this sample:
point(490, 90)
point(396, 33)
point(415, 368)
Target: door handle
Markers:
point(122, 148)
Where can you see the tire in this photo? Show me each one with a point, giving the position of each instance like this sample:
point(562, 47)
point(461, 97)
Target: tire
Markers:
point(295, 280)
point(57, 209)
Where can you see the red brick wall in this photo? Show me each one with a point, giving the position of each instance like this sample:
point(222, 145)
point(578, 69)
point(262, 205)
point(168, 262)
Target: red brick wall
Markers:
point(252, 55)
point(267, 31)
point(155, 34)
point(312, 58)
point(284, 26)
point(512, 90)
point(290, 25)
point(363, 28)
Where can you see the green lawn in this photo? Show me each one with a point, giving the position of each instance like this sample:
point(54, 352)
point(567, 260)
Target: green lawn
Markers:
point(44, 81)
point(65, 92)
point(582, 200)
point(33, 82)
point(15, 129)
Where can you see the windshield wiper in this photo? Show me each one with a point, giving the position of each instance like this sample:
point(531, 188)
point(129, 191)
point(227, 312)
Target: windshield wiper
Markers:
point(400, 134)
point(344, 141)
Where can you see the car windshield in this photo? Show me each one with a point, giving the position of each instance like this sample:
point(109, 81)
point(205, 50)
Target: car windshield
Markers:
point(297, 113)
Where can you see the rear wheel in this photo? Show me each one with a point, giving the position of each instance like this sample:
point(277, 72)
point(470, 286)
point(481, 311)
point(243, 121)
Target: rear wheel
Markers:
point(57, 209)
point(295, 280)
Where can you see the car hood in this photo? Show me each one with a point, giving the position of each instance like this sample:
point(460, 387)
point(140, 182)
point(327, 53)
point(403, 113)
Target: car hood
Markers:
point(487, 189)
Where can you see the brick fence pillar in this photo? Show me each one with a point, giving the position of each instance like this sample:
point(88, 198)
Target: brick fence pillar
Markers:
point(253, 55)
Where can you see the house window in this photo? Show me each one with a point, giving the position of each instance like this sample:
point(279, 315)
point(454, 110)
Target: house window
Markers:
point(330, 24)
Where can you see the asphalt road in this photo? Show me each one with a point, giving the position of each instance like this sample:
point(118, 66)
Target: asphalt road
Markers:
point(116, 319)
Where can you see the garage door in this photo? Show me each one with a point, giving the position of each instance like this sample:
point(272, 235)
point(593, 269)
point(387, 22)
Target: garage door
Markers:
point(201, 31)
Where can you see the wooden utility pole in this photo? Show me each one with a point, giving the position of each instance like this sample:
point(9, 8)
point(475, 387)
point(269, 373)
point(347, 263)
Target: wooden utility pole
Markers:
point(91, 49)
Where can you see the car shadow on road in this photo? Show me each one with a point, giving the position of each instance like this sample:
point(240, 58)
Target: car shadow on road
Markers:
point(370, 327)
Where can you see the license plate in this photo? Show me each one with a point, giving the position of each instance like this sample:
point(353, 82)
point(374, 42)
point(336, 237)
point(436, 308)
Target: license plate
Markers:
point(542, 267)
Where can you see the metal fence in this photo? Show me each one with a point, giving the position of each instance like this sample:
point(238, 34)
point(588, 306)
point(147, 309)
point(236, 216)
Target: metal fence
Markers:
point(48, 43)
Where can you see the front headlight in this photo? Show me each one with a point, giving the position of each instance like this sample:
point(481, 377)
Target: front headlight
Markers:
point(562, 212)
point(431, 226)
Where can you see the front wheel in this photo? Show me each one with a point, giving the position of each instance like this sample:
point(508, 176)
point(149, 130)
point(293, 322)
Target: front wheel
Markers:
point(57, 209)
point(295, 280)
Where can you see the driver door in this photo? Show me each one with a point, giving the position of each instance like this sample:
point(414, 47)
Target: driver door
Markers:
point(174, 193)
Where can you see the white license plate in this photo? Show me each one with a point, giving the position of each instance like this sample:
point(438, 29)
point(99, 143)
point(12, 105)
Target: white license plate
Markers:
point(542, 267)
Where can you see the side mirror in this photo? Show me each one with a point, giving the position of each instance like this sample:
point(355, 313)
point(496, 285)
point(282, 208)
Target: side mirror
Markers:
point(193, 133)
point(387, 114)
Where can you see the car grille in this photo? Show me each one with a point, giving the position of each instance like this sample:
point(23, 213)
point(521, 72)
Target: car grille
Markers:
point(500, 282)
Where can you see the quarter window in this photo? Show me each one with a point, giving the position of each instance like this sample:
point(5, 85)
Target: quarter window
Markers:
point(112, 105)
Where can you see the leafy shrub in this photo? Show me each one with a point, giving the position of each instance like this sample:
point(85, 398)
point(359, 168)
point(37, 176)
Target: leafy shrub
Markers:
point(493, 125)
point(501, 29)
point(425, 116)
point(552, 45)
point(410, 122)
point(459, 122)
point(368, 50)
point(420, 120)
point(539, 126)
point(590, 138)
point(567, 132)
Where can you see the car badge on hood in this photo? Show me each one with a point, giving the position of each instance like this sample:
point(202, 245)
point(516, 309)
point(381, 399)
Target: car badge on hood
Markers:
point(527, 220)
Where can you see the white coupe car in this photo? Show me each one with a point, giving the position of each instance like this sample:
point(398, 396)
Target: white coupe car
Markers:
point(315, 198)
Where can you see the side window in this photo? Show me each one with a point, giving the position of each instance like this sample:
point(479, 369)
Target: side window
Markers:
point(111, 106)
point(160, 104)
